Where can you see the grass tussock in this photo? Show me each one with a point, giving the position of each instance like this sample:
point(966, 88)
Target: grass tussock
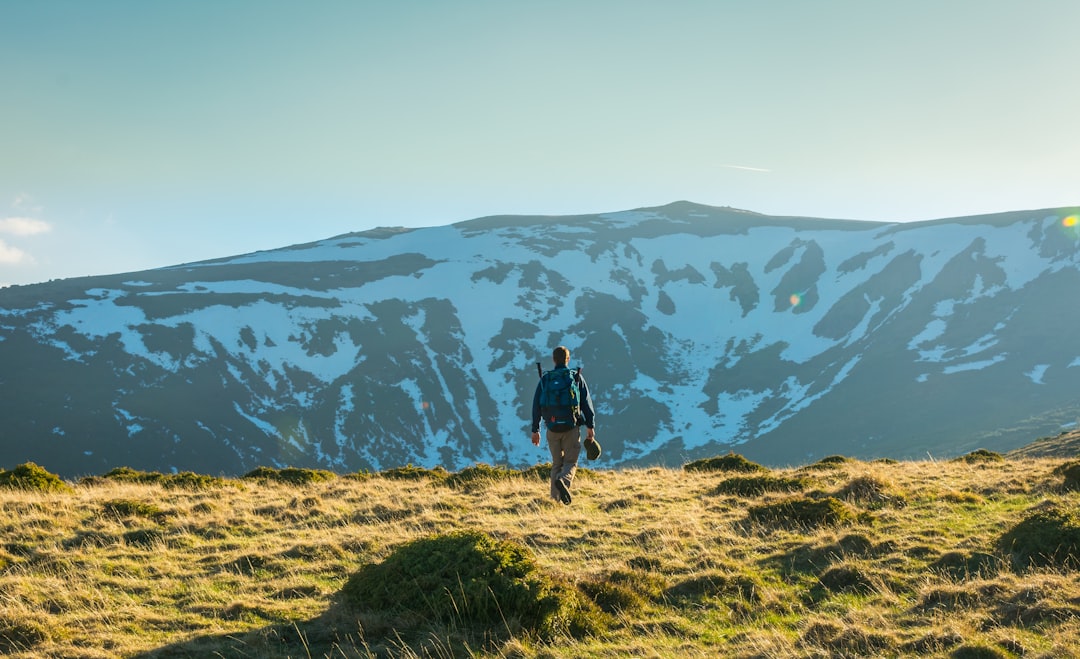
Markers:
point(965, 558)
point(730, 462)
point(471, 581)
point(755, 486)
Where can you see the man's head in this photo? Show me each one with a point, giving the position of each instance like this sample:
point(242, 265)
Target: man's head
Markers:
point(561, 355)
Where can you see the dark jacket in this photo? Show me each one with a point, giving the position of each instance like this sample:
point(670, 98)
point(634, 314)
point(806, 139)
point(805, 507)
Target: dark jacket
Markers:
point(586, 417)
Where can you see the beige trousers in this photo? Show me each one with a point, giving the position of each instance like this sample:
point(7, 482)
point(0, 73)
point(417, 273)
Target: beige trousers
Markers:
point(565, 448)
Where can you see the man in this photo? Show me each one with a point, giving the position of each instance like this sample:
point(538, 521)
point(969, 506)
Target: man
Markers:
point(564, 443)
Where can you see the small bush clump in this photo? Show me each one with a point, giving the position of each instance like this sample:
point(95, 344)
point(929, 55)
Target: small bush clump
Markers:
point(979, 456)
point(729, 462)
point(187, 480)
point(542, 472)
point(184, 480)
point(29, 476)
point(1047, 537)
point(754, 486)
point(129, 475)
point(480, 473)
point(130, 508)
point(470, 579)
point(409, 472)
point(290, 475)
point(624, 591)
point(803, 512)
point(871, 491)
point(827, 463)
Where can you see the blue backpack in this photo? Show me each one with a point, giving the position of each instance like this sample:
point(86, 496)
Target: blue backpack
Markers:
point(560, 399)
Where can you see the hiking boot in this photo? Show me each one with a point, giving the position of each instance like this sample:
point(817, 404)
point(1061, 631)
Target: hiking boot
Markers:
point(564, 493)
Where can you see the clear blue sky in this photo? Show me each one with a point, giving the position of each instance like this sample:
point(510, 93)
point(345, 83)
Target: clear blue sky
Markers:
point(138, 134)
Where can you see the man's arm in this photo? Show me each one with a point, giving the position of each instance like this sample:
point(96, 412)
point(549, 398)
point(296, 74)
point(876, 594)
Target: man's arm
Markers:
point(586, 404)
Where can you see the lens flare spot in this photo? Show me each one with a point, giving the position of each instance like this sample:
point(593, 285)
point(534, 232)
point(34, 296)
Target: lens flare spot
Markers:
point(1070, 221)
point(795, 299)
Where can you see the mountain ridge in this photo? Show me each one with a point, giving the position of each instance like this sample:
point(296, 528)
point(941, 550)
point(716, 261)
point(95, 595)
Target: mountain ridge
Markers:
point(702, 329)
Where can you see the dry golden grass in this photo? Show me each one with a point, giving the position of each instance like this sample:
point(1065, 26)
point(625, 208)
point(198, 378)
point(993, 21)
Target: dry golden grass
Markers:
point(253, 569)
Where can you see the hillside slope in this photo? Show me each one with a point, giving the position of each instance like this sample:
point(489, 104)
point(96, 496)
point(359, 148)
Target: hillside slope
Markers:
point(1065, 445)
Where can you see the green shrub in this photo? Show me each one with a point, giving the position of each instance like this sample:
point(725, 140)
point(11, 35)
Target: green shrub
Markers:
point(129, 508)
point(1047, 537)
point(541, 472)
point(754, 486)
point(624, 591)
point(470, 579)
point(479, 473)
point(184, 480)
point(29, 476)
point(803, 512)
point(290, 475)
point(129, 475)
point(979, 456)
point(828, 462)
point(871, 491)
point(410, 472)
point(729, 462)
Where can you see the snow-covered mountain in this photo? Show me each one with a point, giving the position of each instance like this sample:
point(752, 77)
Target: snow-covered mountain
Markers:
point(700, 330)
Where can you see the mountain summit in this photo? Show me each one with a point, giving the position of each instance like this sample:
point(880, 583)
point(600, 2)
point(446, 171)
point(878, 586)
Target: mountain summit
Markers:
point(700, 330)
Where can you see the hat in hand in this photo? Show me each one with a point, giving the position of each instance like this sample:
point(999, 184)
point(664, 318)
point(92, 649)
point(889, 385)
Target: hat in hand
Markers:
point(592, 448)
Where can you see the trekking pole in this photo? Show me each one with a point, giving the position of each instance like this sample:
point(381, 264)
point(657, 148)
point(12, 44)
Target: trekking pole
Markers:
point(539, 370)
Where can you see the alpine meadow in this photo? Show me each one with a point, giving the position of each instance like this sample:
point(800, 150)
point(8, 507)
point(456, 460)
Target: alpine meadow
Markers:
point(971, 557)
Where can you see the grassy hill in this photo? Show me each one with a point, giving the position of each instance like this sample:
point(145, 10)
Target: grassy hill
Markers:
point(974, 557)
point(1064, 445)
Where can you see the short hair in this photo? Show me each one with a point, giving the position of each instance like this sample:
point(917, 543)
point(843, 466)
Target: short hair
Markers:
point(561, 355)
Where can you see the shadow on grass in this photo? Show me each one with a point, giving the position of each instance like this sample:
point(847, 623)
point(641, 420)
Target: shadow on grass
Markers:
point(442, 596)
point(339, 632)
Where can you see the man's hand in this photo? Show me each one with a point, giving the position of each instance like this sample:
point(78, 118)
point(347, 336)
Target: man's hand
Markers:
point(590, 434)
point(536, 439)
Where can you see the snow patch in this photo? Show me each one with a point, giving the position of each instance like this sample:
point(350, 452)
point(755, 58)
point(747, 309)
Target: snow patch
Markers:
point(974, 366)
point(1036, 374)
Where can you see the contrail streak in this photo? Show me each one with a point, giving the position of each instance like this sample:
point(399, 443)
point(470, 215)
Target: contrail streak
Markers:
point(745, 168)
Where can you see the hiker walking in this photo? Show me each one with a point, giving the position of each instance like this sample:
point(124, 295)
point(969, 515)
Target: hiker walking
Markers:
point(562, 400)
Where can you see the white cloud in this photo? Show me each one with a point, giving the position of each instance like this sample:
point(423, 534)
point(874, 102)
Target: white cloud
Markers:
point(12, 255)
point(23, 226)
point(24, 204)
